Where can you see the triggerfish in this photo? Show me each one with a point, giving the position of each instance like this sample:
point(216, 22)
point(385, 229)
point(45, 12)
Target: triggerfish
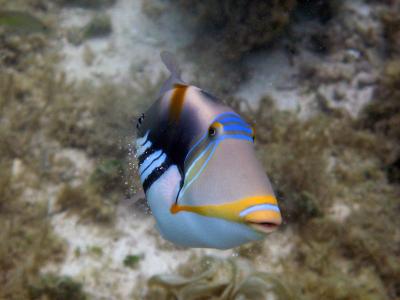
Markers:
point(199, 171)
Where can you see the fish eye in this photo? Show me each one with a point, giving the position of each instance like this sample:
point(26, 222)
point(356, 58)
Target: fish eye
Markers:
point(212, 131)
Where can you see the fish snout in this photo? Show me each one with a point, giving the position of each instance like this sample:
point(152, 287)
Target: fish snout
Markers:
point(265, 218)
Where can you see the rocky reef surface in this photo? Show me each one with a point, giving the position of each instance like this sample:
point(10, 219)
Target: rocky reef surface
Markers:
point(319, 80)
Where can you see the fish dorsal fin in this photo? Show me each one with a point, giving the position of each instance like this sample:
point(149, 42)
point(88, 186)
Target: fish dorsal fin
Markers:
point(170, 62)
point(175, 72)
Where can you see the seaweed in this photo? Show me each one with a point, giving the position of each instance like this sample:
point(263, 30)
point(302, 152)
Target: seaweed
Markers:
point(391, 31)
point(132, 261)
point(26, 240)
point(21, 22)
point(382, 115)
point(99, 26)
point(87, 203)
point(239, 26)
point(52, 286)
point(89, 4)
point(99, 118)
point(107, 176)
point(215, 278)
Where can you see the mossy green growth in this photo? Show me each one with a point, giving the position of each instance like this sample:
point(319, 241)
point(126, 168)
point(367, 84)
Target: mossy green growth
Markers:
point(95, 250)
point(26, 242)
point(238, 26)
point(85, 201)
point(51, 286)
point(21, 22)
point(132, 261)
point(99, 26)
point(391, 31)
point(99, 118)
point(108, 176)
point(93, 4)
point(383, 114)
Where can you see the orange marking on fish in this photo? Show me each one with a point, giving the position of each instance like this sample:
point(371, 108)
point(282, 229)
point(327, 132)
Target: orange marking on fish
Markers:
point(177, 100)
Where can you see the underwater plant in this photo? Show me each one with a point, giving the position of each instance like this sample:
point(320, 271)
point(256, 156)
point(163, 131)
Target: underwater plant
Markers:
point(382, 115)
point(21, 22)
point(99, 26)
point(92, 4)
point(215, 278)
point(239, 26)
point(52, 286)
point(132, 261)
point(88, 203)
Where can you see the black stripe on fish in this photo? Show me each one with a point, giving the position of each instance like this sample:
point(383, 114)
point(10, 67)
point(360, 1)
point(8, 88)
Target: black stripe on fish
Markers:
point(146, 154)
point(157, 173)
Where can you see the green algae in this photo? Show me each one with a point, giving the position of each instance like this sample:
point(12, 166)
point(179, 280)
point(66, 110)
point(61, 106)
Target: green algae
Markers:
point(132, 261)
point(89, 4)
point(239, 26)
point(27, 242)
point(52, 286)
point(21, 22)
point(107, 176)
point(98, 26)
point(88, 204)
point(391, 24)
point(382, 114)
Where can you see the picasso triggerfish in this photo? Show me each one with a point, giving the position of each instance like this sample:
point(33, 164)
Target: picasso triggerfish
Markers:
point(199, 171)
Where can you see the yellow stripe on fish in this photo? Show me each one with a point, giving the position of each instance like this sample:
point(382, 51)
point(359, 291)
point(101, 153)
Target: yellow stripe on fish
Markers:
point(231, 211)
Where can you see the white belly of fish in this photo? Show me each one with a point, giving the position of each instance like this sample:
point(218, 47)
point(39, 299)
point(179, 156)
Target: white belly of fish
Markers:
point(190, 229)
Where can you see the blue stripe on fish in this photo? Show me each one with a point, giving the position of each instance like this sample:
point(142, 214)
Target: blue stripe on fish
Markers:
point(198, 157)
point(149, 160)
point(152, 162)
point(233, 120)
point(259, 207)
point(235, 127)
point(157, 163)
point(214, 145)
point(140, 141)
point(195, 145)
point(142, 148)
point(156, 174)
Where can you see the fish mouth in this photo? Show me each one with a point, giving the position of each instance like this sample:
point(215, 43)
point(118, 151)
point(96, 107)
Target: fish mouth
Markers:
point(265, 221)
point(265, 227)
